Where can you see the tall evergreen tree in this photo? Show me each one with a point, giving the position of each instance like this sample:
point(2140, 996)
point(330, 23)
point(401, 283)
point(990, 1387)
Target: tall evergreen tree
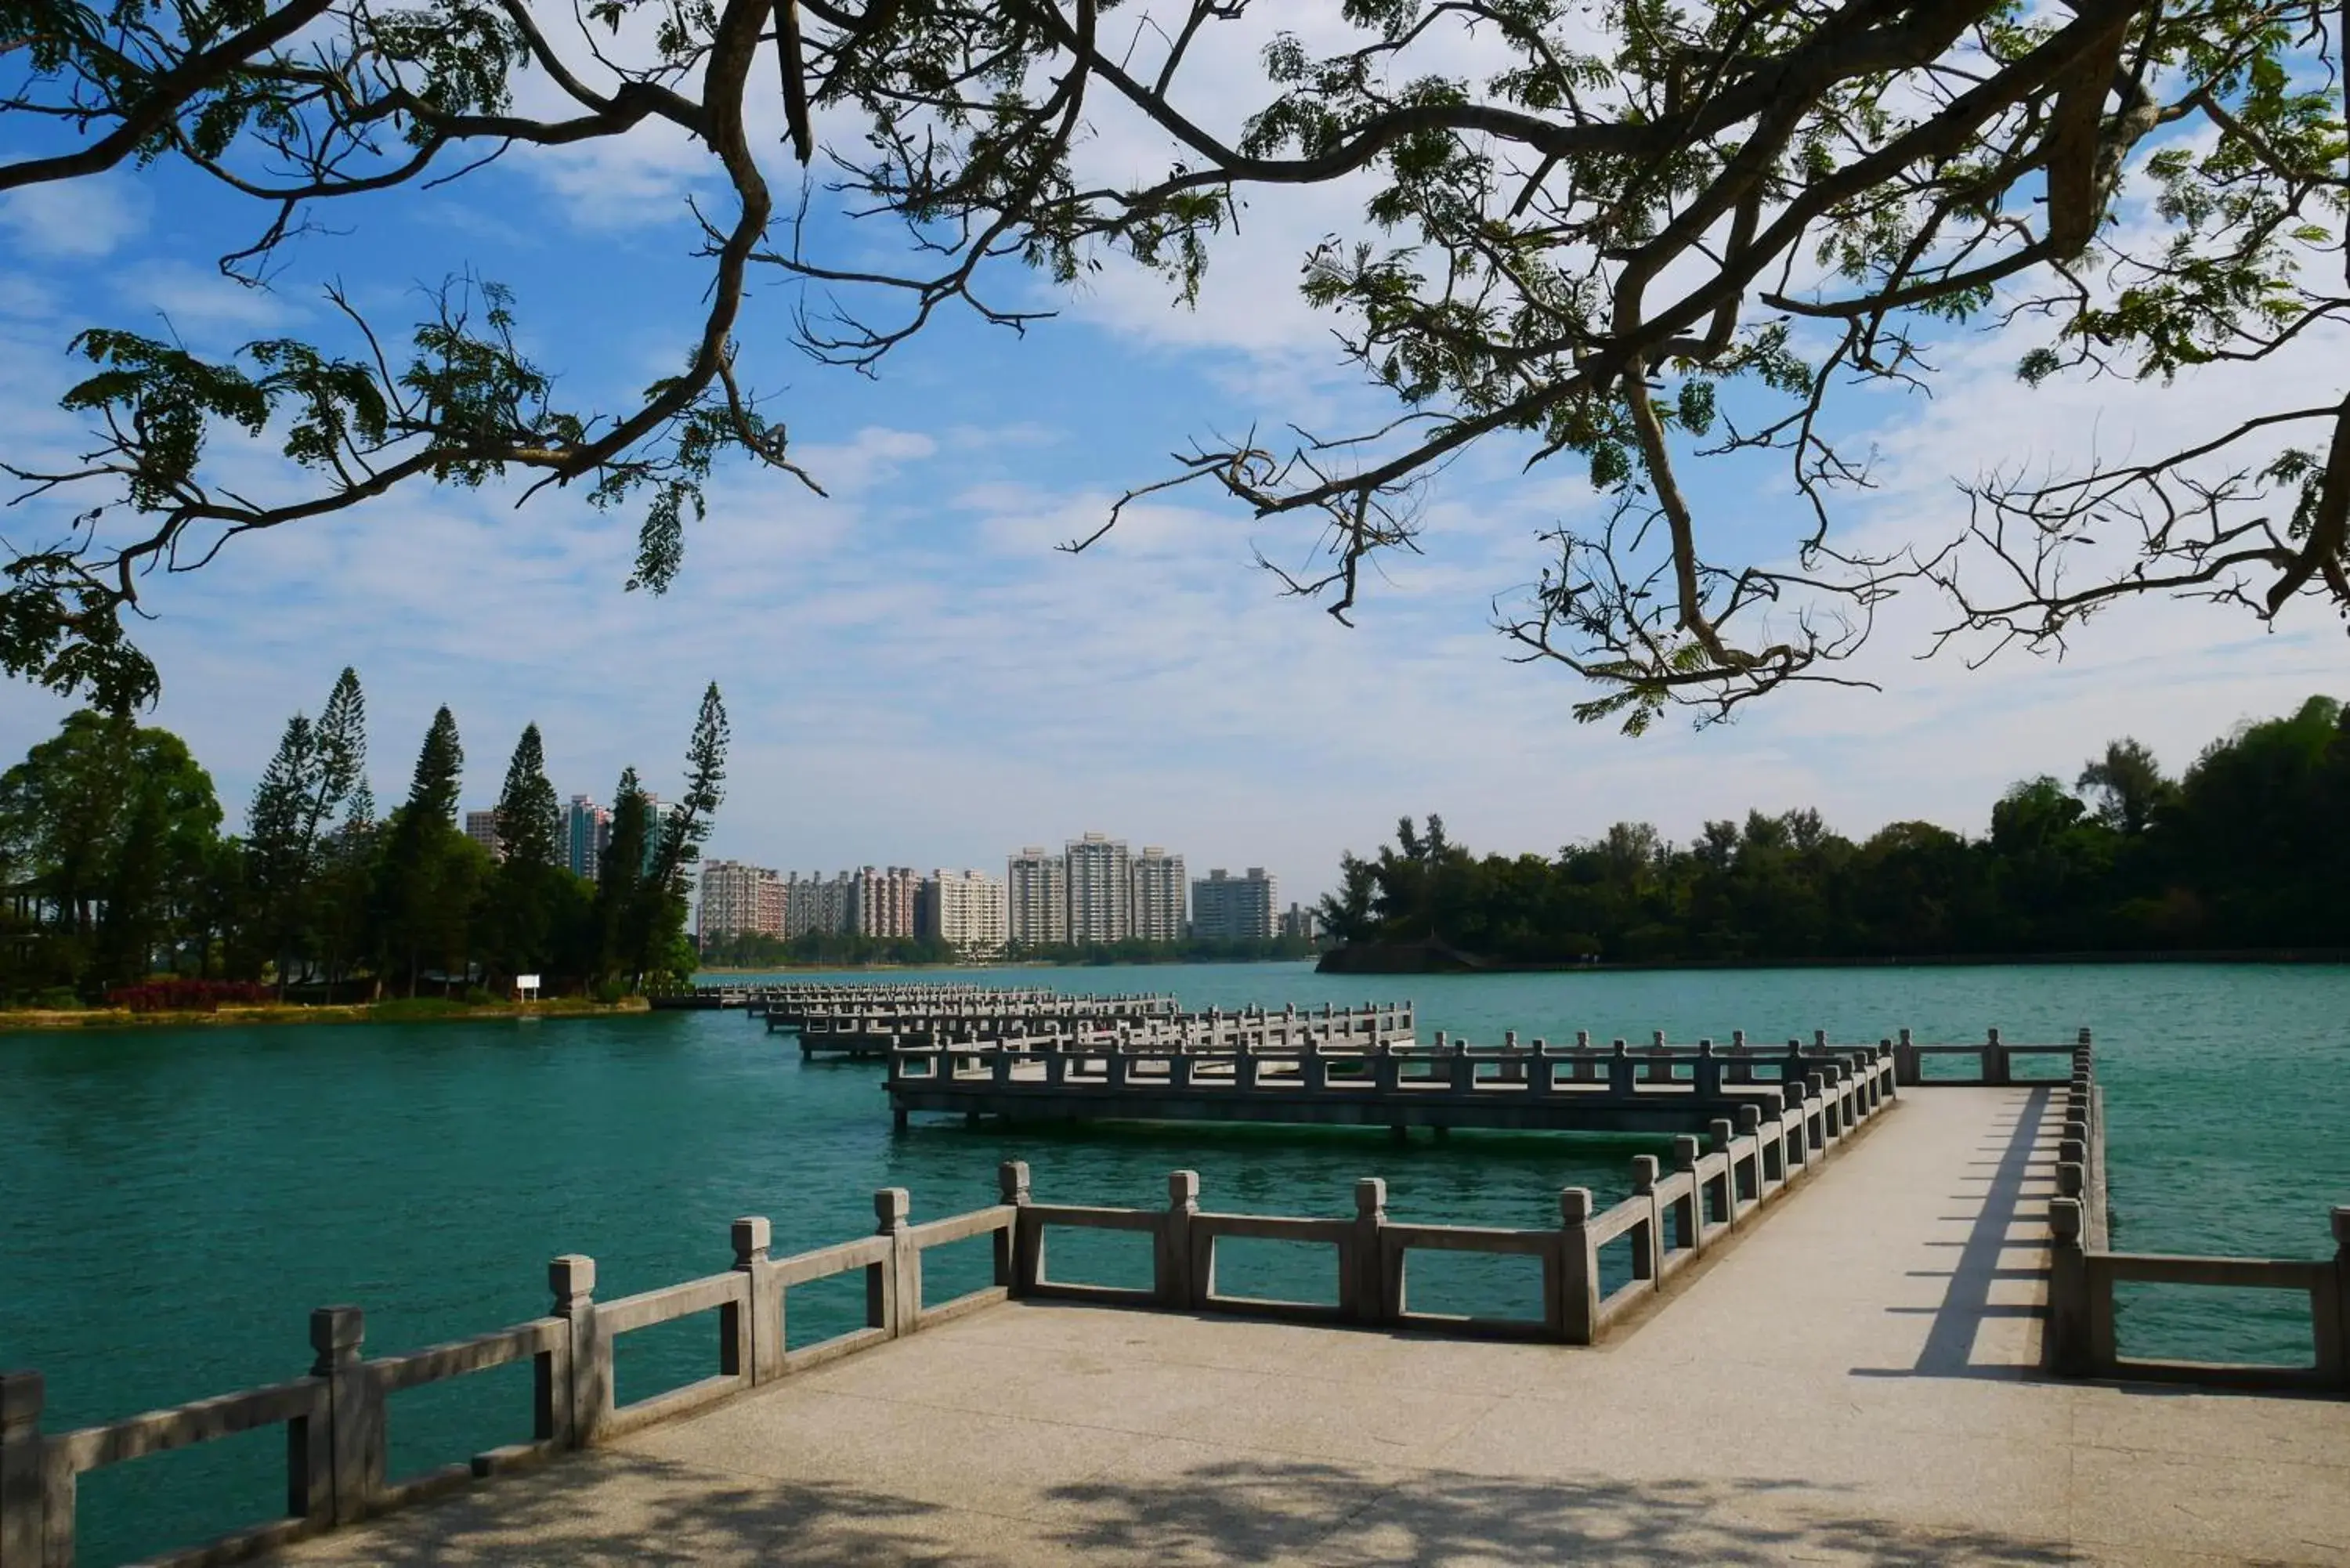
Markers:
point(688, 824)
point(280, 841)
point(287, 851)
point(433, 788)
point(342, 742)
point(528, 900)
point(617, 921)
point(528, 808)
point(425, 881)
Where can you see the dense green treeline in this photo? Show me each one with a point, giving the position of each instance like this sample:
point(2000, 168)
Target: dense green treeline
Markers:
point(113, 869)
point(2249, 848)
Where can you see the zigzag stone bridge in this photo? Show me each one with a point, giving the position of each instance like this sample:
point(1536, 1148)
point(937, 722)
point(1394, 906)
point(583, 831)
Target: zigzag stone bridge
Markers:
point(1875, 1327)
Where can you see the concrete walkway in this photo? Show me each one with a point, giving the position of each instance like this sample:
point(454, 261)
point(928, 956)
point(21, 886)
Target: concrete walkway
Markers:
point(1850, 1383)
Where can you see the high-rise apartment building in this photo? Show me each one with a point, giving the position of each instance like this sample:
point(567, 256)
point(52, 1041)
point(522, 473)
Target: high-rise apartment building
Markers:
point(1155, 910)
point(967, 910)
point(736, 898)
point(885, 900)
point(587, 829)
point(1037, 899)
point(652, 829)
point(1299, 921)
point(1226, 907)
point(812, 904)
point(1101, 888)
point(481, 827)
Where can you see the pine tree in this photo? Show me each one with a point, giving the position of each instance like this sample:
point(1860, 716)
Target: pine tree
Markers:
point(527, 895)
point(440, 769)
point(688, 824)
point(280, 840)
point(619, 881)
point(342, 741)
point(347, 856)
point(527, 809)
point(417, 896)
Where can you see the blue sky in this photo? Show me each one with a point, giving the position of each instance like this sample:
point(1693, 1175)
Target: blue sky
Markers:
point(916, 676)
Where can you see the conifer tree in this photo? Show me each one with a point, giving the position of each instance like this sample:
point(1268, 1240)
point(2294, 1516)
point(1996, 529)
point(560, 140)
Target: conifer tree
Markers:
point(424, 880)
point(527, 890)
point(342, 742)
point(280, 835)
point(619, 882)
point(348, 854)
point(526, 806)
point(689, 821)
point(440, 770)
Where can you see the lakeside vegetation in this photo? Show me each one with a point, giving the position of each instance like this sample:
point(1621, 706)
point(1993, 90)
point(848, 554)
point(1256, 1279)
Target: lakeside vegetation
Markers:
point(114, 873)
point(392, 1009)
point(2247, 849)
point(748, 950)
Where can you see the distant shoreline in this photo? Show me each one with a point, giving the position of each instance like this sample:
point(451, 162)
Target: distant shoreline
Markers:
point(1419, 960)
point(398, 1010)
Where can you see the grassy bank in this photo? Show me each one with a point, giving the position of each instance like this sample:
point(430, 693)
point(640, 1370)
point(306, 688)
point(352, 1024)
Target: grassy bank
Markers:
point(401, 1010)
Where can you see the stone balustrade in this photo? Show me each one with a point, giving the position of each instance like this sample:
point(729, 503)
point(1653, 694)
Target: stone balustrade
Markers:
point(1082, 1028)
point(2082, 1337)
point(1398, 1084)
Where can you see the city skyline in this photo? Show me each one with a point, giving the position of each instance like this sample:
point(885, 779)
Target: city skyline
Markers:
point(1094, 891)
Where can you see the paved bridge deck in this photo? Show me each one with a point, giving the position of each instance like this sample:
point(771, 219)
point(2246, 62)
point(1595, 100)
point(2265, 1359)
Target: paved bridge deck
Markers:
point(1852, 1382)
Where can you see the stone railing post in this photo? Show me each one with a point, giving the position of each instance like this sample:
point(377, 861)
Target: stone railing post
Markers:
point(1648, 1239)
point(1369, 1292)
point(1906, 1074)
point(886, 1305)
point(1994, 1060)
point(1706, 1073)
point(572, 1279)
point(21, 1395)
point(1619, 1072)
point(355, 1409)
point(1819, 1121)
point(750, 1337)
point(1575, 1316)
point(1770, 1166)
point(1015, 1267)
point(2068, 1291)
point(1720, 1133)
point(1692, 1204)
point(1172, 1258)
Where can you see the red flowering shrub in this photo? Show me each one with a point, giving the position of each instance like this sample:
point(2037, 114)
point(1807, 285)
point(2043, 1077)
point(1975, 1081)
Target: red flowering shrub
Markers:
point(185, 995)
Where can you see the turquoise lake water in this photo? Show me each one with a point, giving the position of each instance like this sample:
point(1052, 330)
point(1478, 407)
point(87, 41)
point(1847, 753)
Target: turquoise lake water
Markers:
point(173, 1202)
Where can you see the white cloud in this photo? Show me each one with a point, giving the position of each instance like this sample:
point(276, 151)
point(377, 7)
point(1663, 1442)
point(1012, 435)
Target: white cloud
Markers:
point(74, 220)
point(199, 300)
point(26, 296)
